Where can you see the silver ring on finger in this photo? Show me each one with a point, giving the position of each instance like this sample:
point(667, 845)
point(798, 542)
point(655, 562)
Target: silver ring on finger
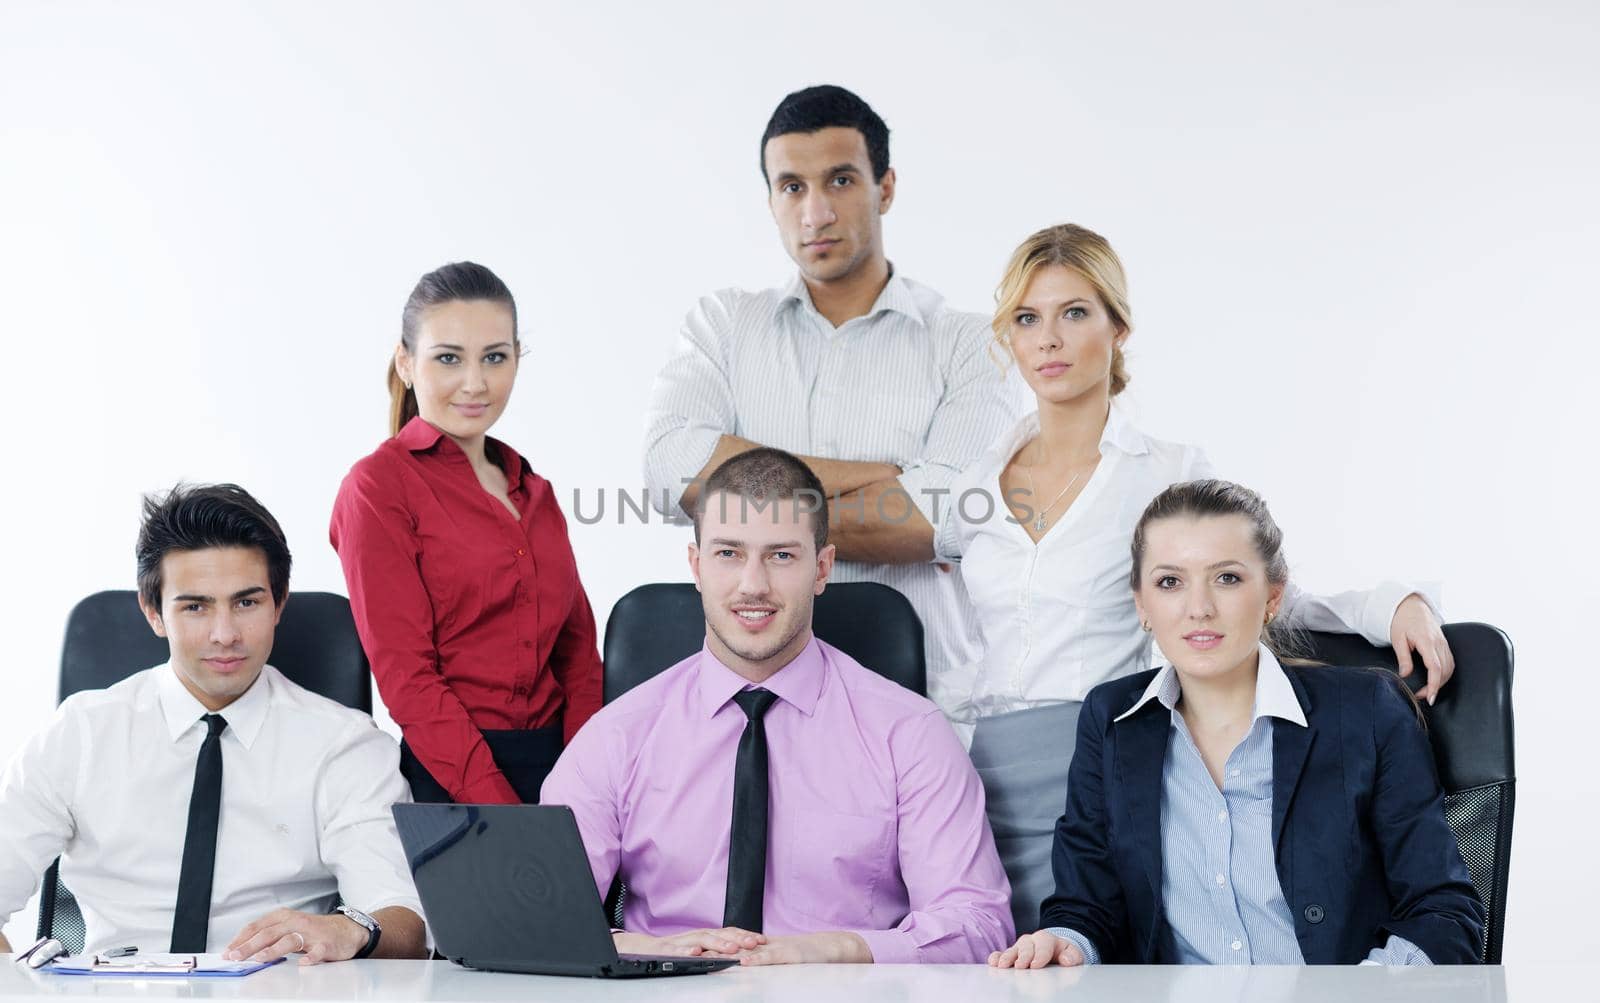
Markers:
point(302, 948)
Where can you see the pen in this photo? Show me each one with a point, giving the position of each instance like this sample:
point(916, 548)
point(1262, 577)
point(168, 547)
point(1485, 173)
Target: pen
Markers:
point(119, 952)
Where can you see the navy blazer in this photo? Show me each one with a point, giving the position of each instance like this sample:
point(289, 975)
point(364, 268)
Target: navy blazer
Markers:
point(1358, 828)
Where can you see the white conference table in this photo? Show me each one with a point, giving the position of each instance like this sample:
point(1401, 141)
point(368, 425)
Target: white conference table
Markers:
point(443, 981)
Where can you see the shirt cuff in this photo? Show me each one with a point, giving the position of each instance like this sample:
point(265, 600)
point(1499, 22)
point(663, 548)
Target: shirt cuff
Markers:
point(1090, 955)
point(889, 947)
point(1378, 612)
point(931, 497)
point(1397, 951)
point(685, 449)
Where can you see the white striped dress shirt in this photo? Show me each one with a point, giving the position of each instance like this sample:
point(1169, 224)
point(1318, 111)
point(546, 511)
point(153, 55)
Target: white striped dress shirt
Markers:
point(912, 383)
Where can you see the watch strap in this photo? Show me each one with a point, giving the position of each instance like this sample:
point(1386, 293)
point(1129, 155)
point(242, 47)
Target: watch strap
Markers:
point(374, 930)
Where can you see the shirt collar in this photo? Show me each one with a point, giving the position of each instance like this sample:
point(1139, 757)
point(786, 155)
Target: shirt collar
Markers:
point(1122, 433)
point(1275, 696)
point(245, 716)
point(799, 683)
point(419, 436)
point(896, 296)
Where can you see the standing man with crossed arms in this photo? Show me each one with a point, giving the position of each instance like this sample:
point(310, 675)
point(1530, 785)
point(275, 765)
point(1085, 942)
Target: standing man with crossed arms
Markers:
point(769, 797)
point(884, 391)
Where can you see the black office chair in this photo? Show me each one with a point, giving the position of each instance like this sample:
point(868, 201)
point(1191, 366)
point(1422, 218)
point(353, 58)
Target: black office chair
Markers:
point(1470, 727)
point(108, 639)
point(656, 626)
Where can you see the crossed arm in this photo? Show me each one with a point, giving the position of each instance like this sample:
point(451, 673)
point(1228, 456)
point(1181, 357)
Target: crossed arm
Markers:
point(882, 512)
point(872, 517)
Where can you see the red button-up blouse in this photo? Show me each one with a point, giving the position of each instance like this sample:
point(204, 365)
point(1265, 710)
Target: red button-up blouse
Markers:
point(472, 620)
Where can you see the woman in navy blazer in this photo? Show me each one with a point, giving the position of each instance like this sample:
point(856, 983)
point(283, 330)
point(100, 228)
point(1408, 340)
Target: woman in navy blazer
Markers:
point(1228, 809)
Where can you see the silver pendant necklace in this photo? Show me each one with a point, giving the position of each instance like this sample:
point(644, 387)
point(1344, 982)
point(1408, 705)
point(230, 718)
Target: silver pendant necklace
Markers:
point(1039, 521)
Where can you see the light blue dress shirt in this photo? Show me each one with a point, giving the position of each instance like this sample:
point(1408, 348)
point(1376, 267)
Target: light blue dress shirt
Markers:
point(1219, 880)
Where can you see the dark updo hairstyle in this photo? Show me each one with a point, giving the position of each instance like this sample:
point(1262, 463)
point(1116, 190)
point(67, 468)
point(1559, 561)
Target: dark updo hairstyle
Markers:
point(455, 282)
point(1198, 499)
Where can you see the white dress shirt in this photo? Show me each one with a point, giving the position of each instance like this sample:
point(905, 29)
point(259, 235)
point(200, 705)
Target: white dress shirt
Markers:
point(1058, 616)
point(306, 790)
point(911, 383)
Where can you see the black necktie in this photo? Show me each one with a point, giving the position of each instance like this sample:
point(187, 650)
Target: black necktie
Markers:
point(192, 915)
point(747, 842)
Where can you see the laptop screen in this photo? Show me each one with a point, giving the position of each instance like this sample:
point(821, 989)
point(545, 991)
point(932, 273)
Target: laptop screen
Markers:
point(505, 883)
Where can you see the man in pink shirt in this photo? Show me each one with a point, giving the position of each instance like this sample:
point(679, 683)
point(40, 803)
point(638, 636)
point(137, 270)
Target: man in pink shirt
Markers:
point(769, 797)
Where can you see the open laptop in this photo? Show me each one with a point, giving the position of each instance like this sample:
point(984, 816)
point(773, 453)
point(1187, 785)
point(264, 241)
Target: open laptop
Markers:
point(508, 888)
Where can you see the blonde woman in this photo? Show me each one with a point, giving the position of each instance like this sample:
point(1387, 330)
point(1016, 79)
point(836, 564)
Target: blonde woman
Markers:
point(1041, 526)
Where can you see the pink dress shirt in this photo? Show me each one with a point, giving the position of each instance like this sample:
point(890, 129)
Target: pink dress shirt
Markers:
point(876, 822)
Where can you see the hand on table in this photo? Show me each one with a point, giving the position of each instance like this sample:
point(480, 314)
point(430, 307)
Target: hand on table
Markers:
point(810, 949)
point(1036, 950)
point(728, 941)
point(283, 932)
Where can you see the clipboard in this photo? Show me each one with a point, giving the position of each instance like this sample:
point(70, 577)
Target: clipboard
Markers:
point(157, 966)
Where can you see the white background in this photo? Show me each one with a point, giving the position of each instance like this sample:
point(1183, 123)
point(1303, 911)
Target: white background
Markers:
point(1362, 249)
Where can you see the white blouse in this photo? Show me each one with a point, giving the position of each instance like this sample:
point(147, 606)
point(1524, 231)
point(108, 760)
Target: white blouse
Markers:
point(1058, 617)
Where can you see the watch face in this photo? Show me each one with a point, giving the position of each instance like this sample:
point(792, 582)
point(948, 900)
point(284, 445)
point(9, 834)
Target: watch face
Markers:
point(359, 917)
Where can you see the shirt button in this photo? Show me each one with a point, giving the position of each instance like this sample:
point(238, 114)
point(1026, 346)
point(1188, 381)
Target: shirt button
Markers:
point(523, 553)
point(527, 644)
point(1222, 816)
point(1236, 945)
point(1233, 774)
point(1221, 881)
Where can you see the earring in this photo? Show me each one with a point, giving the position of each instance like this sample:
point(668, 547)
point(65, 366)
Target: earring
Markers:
point(407, 383)
point(1146, 625)
point(1270, 615)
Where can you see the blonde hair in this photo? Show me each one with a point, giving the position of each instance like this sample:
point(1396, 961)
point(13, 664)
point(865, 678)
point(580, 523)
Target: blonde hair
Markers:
point(1083, 251)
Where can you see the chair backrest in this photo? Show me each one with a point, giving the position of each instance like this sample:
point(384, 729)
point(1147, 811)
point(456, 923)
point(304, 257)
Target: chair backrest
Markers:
point(1470, 728)
point(656, 626)
point(315, 645)
point(109, 640)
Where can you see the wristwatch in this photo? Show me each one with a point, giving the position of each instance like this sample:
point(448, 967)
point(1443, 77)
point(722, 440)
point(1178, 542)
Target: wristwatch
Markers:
point(374, 931)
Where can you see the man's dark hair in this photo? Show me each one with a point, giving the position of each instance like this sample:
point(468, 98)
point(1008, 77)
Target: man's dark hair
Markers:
point(767, 477)
point(828, 107)
point(201, 517)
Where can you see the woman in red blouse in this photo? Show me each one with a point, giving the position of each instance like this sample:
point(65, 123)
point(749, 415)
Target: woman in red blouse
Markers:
point(460, 573)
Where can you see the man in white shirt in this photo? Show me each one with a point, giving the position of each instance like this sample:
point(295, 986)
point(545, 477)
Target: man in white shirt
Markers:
point(884, 391)
point(210, 804)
